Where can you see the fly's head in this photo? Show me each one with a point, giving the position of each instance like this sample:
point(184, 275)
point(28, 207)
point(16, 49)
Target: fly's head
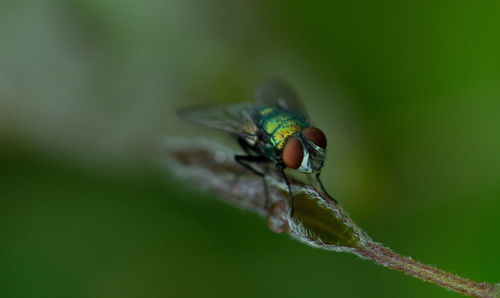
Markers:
point(305, 151)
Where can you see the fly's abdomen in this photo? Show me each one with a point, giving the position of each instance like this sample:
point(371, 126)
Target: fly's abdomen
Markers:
point(279, 124)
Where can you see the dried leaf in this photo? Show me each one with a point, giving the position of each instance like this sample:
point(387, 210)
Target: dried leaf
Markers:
point(317, 221)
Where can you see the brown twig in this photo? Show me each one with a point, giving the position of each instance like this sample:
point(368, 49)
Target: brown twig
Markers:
point(317, 221)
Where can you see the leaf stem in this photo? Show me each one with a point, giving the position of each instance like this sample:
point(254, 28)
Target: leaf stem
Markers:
point(407, 265)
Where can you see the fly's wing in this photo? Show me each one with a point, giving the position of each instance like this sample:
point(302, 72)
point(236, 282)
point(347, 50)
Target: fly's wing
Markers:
point(233, 118)
point(276, 92)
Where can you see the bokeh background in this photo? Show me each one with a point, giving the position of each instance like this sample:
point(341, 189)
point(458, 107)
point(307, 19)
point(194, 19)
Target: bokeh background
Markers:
point(408, 94)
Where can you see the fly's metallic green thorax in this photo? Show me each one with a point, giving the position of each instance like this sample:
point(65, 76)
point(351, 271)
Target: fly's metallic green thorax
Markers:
point(279, 124)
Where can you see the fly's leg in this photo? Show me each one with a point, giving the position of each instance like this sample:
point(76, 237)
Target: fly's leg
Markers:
point(244, 160)
point(323, 188)
point(292, 203)
point(244, 145)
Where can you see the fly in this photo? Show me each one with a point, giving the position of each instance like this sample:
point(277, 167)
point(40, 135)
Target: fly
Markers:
point(273, 129)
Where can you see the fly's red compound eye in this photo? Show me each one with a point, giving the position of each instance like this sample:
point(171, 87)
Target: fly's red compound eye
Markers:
point(315, 135)
point(293, 153)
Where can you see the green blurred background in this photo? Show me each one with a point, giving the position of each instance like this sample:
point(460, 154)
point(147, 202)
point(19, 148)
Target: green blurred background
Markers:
point(408, 94)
